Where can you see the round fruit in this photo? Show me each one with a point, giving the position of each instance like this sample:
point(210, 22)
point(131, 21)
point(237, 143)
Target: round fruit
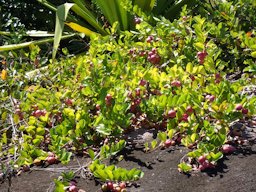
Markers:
point(239, 107)
point(228, 148)
point(201, 159)
point(104, 188)
point(137, 91)
point(217, 81)
point(167, 143)
point(176, 83)
point(37, 113)
point(26, 168)
point(97, 107)
point(69, 102)
point(154, 59)
point(142, 53)
point(51, 160)
point(217, 76)
point(137, 20)
point(150, 39)
point(201, 56)
point(189, 110)
point(142, 82)
point(185, 117)
point(72, 188)
point(178, 140)
point(122, 185)
point(108, 97)
point(210, 98)
point(171, 113)
point(192, 77)
point(110, 185)
point(245, 111)
point(117, 189)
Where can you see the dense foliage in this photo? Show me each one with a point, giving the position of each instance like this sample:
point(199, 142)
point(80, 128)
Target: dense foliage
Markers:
point(172, 77)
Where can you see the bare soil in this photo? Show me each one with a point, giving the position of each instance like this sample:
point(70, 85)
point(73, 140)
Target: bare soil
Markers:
point(235, 173)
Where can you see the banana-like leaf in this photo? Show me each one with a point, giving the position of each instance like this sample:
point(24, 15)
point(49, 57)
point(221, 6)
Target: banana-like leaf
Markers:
point(145, 5)
point(88, 16)
point(162, 6)
point(26, 44)
point(53, 8)
point(173, 11)
point(61, 16)
point(108, 9)
point(122, 15)
point(80, 29)
point(32, 33)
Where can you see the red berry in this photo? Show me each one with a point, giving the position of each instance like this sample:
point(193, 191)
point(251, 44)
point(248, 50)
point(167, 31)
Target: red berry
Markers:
point(97, 107)
point(178, 140)
point(228, 148)
point(210, 98)
point(245, 111)
point(108, 97)
point(154, 50)
point(167, 143)
point(117, 189)
point(150, 39)
point(69, 102)
point(37, 113)
point(176, 83)
point(132, 51)
point(171, 113)
point(154, 59)
point(142, 53)
point(137, 91)
point(122, 185)
point(72, 188)
point(184, 117)
point(51, 160)
point(217, 81)
point(192, 77)
point(217, 76)
point(137, 20)
point(137, 101)
point(189, 110)
point(142, 82)
point(239, 107)
point(205, 165)
point(201, 56)
point(110, 185)
point(201, 159)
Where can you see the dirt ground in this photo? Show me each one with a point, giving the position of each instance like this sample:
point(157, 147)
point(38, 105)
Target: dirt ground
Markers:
point(235, 173)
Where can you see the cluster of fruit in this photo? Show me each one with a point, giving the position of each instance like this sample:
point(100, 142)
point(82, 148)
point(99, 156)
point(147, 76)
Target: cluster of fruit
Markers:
point(114, 187)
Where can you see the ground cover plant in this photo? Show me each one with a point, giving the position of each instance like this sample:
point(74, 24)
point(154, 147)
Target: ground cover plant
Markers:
point(172, 77)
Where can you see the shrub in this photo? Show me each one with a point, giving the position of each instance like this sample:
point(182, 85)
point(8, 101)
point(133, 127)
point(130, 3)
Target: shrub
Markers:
point(117, 87)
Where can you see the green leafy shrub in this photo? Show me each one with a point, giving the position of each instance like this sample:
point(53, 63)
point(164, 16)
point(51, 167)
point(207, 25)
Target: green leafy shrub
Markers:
point(170, 77)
